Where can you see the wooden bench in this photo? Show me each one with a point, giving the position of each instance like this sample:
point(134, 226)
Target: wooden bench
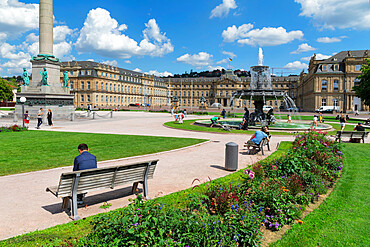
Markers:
point(351, 134)
point(79, 182)
point(264, 142)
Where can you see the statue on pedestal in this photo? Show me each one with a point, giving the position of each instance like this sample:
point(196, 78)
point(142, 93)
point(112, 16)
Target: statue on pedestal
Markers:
point(26, 79)
point(65, 79)
point(44, 75)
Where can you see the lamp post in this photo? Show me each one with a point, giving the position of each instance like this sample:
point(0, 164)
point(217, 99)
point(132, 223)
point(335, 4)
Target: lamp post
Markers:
point(23, 100)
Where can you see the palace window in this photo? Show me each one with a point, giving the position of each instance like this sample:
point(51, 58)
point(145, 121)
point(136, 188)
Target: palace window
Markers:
point(82, 72)
point(335, 102)
point(336, 85)
point(89, 72)
point(102, 86)
point(357, 81)
point(82, 85)
point(102, 98)
point(88, 98)
point(324, 67)
point(88, 85)
point(336, 67)
point(106, 99)
point(97, 85)
point(82, 98)
point(106, 86)
point(114, 87)
point(71, 84)
point(324, 84)
point(357, 67)
point(110, 87)
point(71, 72)
point(323, 102)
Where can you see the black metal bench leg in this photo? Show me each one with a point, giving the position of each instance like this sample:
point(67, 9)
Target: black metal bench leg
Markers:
point(134, 188)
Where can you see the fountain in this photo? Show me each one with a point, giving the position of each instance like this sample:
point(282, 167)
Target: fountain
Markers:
point(260, 91)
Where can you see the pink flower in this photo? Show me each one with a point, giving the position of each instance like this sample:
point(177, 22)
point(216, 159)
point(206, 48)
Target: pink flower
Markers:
point(251, 175)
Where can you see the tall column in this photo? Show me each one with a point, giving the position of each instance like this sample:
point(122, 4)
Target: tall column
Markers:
point(46, 27)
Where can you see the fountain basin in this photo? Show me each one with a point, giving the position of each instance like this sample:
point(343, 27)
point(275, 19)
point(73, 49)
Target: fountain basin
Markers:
point(294, 126)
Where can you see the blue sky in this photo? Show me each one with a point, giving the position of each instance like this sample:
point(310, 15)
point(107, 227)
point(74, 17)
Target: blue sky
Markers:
point(170, 36)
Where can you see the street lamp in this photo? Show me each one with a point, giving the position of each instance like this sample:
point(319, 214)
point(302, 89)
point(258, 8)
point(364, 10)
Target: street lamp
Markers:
point(23, 100)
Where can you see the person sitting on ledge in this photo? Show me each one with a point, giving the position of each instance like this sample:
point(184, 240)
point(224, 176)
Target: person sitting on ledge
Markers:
point(214, 120)
point(257, 138)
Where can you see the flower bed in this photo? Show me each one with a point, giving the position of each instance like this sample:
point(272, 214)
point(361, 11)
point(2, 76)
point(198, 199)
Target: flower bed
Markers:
point(12, 128)
point(270, 195)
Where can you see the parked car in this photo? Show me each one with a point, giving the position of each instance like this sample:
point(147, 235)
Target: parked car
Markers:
point(296, 109)
point(216, 105)
point(328, 109)
point(134, 105)
point(267, 108)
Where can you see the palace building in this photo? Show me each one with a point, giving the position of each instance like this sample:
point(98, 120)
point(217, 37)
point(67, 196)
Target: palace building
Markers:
point(190, 91)
point(106, 86)
point(329, 82)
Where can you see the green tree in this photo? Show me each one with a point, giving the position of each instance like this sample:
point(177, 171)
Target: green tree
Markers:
point(5, 90)
point(362, 89)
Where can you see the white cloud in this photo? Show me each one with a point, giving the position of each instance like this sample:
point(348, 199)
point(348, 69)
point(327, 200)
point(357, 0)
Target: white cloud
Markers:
point(319, 56)
point(331, 14)
point(111, 62)
point(267, 36)
point(233, 33)
point(330, 40)
point(17, 17)
point(212, 68)
point(102, 34)
point(223, 9)
point(17, 59)
point(159, 74)
point(127, 61)
point(303, 48)
point(270, 36)
point(60, 33)
point(137, 70)
point(198, 60)
point(222, 61)
point(296, 65)
point(90, 60)
point(229, 53)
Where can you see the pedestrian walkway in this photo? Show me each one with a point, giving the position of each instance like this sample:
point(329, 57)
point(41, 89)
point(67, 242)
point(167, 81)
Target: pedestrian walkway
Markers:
point(25, 206)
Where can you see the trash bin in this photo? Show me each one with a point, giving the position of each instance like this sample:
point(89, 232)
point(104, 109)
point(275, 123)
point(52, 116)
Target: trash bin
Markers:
point(231, 156)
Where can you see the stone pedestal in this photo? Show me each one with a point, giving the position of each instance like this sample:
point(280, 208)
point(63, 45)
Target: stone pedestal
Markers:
point(52, 96)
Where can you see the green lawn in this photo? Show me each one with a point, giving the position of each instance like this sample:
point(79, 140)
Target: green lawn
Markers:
point(342, 220)
point(38, 150)
point(7, 109)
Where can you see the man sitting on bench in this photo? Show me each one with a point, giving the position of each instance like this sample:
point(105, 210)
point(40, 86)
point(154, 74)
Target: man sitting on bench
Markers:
point(257, 138)
point(358, 127)
point(83, 161)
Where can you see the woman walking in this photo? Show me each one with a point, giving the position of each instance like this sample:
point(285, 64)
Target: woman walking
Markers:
point(26, 119)
point(342, 121)
point(50, 116)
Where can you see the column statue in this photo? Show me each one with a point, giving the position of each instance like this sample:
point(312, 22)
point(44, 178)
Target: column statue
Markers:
point(44, 75)
point(65, 79)
point(26, 79)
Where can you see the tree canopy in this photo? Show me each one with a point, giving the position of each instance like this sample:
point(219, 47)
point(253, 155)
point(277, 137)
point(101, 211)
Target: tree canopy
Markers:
point(5, 90)
point(362, 88)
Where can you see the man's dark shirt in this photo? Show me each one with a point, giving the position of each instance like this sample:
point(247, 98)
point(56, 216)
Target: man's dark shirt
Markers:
point(360, 128)
point(84, 161)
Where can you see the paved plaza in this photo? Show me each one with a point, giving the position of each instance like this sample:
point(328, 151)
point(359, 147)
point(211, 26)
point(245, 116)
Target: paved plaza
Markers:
point(25, 206)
